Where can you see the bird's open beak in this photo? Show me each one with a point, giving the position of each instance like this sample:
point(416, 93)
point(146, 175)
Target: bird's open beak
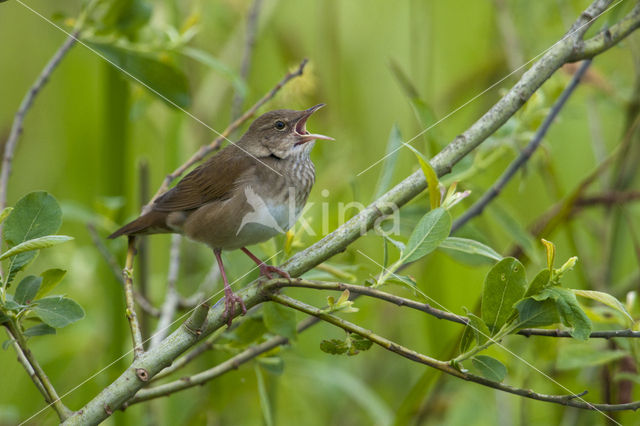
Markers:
point(301, 128)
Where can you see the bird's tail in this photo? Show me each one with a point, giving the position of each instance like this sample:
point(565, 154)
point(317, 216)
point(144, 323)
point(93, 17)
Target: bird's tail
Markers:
point(151, 223)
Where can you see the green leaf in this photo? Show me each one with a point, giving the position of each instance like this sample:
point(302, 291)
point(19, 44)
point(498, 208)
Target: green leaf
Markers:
point(581, 355)
point(39, 330)
point(431, 177)
point(570, 312)
point(403, 279)
point(479, 328)
point(360, 343)
point(280, 320)
point(35, 215)
point(334, 346)
point(504, 285)
point(58, 311)
point(470, 246)
point(397, 244)
point(539, 283)
point(27, 289)
point(160, 76)
point(534, 313)
point(605, 299)
point(467, 339)
point(390, 159)
point(430, 231)
point(489, 368)
point(36, 244)
point(205, 58)
point(3, 317)
point(50, 279)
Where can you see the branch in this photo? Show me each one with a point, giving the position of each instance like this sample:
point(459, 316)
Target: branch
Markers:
point(35, 371)
point(27, 101)
point(217, 142)
point(231, 364)
point(567, 400)
point(143, 302)
point(127, 274)
point(124, 387)
point(608, 37)
point(478, 207)
point(443, 162)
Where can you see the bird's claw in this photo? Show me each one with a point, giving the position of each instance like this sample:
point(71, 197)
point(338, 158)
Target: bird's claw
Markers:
point(266, 270)
point(230, 300)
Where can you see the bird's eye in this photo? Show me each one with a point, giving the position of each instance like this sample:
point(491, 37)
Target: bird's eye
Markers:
point(280, 125)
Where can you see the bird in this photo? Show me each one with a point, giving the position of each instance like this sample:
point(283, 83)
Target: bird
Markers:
point(247, 193)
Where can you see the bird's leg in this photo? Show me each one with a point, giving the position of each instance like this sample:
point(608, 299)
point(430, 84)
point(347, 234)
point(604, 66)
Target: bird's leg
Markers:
point(230, 298)
point(264, 268)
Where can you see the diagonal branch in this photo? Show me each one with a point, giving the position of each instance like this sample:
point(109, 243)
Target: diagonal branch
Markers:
point(567, 400)
point(478, 207)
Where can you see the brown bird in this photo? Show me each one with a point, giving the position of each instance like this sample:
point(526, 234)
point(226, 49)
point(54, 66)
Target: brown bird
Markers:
point(246, 194)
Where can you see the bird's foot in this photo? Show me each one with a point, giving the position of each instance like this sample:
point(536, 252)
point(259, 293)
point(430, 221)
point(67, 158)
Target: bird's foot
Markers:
point(230, 300)
point(267, 270)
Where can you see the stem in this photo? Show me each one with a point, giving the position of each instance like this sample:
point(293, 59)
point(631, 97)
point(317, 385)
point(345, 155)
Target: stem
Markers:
point(127, 273)
point(34, 369)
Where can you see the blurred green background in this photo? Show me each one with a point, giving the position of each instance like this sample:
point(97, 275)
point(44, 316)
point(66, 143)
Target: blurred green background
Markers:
point(92, 127)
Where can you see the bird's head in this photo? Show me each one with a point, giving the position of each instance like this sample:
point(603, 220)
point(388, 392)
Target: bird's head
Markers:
point(280, 133)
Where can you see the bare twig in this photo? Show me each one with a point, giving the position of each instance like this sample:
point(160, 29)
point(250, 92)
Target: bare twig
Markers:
point(27, 101)
point(250, 39)
point(210, 374)
point(217, 142)
point(108, 257)
point(567, 400)
point(477, 208)
point(127, 273)
point(172, 298)
point(34, 369)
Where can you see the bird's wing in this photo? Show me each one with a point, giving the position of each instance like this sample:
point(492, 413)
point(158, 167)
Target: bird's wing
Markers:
point(215, 179)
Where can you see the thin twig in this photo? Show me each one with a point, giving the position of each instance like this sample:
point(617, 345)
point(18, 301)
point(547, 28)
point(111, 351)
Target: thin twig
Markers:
point(172, 298)
point(231, 364)
point(50, 394)
point(250, 40)
point(108, 257)
point(217, 142)
point(143, 250)
point(127, 273)
point(25, 363)
point(477, 208)
point(567, 400)
point(27, 101)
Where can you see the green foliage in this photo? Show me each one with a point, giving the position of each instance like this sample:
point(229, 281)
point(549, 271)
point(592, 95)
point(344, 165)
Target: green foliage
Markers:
point(490, 368)
point(28, 228)
point(504, 285)
point(352, 345)
point(468, 246)
point(389, 165)
point(432, 229)
point(570, 313)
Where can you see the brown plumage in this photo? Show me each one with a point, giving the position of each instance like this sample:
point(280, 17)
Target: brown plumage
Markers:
point(247, 193)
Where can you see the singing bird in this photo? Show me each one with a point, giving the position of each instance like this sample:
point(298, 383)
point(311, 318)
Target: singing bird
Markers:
point(247, 193)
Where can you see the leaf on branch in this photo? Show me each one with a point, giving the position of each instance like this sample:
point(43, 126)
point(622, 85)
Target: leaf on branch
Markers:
point(27, 289)
point(360, 343)
point(570, 312)
point(539, 283)
point(431, 230)
point(468, 246)
point(489, 368)
point(533, 313)
point(334, 346)
point(280, 320)
point(58, 311)
point(50, 279)
point(390, 159)
point(433, 184)
point(272, 364)
point(504, 285)
point(605, 299)
point(35, 244)
point(39, 330)
point(35, 215)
